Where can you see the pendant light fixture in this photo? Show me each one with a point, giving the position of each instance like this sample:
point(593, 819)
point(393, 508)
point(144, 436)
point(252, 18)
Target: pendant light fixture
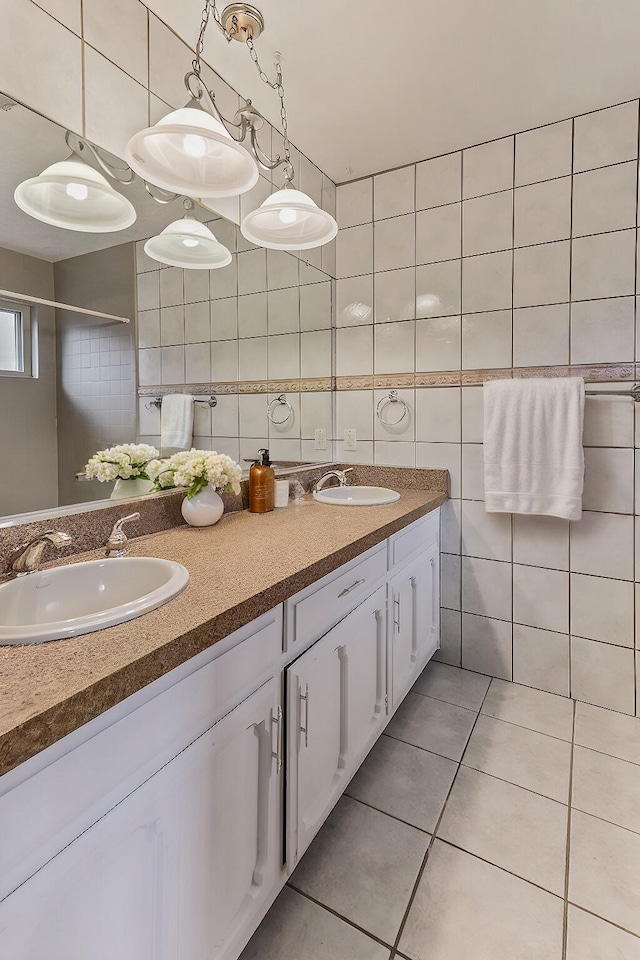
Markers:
point(189, 244)
point(195, 151)
point(188, 149)
point(73, 195)
point(289, 220)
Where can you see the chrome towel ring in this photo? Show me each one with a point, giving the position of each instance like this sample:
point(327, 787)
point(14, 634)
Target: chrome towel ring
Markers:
point(391, 398)
point(282, 400)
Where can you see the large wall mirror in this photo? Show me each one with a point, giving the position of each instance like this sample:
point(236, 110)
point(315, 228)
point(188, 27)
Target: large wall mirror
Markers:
point(249, 334)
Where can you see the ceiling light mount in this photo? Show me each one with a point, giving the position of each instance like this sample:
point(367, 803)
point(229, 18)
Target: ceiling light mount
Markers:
point(241, 21)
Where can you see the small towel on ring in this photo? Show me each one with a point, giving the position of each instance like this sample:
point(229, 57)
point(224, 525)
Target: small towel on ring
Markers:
point(533, 454)
point(176, 423)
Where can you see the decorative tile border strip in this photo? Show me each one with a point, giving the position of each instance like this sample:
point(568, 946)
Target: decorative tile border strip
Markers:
point(439, 378)
point(605, 372)
point(595, 373)
point(397, 381)
point(304, 385)
point(354, 383)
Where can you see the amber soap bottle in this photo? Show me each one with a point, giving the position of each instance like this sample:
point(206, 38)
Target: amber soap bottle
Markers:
point(262, 484)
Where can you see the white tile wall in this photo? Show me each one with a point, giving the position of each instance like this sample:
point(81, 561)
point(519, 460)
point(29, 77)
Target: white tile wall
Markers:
point(542, 273)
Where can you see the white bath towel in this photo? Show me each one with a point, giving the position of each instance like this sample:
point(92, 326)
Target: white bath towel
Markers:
point(533, 454)
point(176, 423)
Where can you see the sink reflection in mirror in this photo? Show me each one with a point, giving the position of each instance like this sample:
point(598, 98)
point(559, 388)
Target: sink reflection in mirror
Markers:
point(246, 333)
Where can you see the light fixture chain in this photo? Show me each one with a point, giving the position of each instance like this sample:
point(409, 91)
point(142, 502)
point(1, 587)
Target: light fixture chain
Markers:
point(278, 86)
point(208, 9)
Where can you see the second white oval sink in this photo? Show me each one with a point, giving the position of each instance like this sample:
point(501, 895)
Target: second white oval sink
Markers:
point(357, 496)
point(82, 597)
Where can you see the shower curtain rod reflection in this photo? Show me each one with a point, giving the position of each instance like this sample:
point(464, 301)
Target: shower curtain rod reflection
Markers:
point(23, 298)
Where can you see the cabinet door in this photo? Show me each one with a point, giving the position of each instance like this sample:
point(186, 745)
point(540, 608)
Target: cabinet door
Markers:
point(108, 894)
point(414, 617)
point(230, 842)
point(337, 704)
point(177, 870)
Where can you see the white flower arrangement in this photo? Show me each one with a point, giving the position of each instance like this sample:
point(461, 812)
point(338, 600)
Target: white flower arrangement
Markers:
point(124, 462)
point(196, 469)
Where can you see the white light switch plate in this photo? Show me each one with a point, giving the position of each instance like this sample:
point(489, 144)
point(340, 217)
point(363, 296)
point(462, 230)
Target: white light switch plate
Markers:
point(350, 440)
point(321, 439)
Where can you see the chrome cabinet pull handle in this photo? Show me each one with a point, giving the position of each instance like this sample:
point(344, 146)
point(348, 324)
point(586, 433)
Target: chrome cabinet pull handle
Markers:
point(414, 603)
point(347, 590)
point(396, 619)
point(277, 756)
point(305, 729)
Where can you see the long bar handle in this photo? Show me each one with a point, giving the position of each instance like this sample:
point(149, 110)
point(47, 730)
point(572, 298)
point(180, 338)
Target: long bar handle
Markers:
point(305, 729)
point(435, 613)
point(277, 754)
point(347, 590)
point(414, 637)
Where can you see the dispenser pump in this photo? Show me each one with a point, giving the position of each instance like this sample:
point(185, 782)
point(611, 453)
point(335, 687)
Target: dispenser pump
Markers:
point(261, 484)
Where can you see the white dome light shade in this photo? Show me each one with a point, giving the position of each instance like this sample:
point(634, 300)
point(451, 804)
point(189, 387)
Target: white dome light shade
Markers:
point(191, 153)
point(72, 195)
point(289, 220)
point(190, 244)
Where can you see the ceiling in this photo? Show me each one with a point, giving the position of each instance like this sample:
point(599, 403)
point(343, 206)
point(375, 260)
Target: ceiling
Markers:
point(378, 85)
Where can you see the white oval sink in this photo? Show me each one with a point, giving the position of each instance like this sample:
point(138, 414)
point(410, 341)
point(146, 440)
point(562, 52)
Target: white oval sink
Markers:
point(357, 496)
point(83, 597)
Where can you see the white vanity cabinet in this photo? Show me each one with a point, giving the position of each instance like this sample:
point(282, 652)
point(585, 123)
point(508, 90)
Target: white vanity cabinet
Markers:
point(179, 868)
point(165, 828)
point(336, 708)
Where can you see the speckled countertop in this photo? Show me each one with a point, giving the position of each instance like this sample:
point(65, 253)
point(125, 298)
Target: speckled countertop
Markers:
point(240, 568)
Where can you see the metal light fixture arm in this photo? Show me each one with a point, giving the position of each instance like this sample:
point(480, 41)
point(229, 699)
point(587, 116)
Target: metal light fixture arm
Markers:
point(116, 169)
point(247, 120)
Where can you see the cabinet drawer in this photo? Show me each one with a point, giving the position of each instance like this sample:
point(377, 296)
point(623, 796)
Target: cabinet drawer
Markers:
point(43, 813)
point(414, 538)
point(318, 608)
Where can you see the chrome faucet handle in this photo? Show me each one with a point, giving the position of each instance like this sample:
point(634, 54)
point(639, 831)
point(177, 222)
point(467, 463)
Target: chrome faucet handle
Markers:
point(117, 542)
point(26, 558)
point(343, 475)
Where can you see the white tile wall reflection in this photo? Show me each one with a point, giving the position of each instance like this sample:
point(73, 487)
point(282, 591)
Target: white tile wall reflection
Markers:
point(521, 260)
point(272, 322)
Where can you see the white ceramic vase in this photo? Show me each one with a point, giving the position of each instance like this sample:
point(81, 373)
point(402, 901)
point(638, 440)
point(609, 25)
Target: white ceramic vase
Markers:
point(134, 487)
point(203, 509)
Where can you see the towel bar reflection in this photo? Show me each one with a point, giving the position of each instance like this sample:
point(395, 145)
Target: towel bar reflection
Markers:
point(211, 401)
point(391, 398)
point(634, 393)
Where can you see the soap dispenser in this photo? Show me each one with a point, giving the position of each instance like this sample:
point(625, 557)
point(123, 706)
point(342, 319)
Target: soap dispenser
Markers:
point(262, 484)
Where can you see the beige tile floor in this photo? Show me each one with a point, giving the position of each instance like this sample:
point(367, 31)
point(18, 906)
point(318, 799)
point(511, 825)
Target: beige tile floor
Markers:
point(490, 822)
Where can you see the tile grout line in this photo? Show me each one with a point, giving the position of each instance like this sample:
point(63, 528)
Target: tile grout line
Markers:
point(565, 919)
point(611, 923)
point(536, 793)
point(433, 837)
point(339, 916)
point(371, 806)
point(517, 876)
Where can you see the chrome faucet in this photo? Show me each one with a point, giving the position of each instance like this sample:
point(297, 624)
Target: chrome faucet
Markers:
point(117, 542)
point(340, 475)
point(26, 558)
